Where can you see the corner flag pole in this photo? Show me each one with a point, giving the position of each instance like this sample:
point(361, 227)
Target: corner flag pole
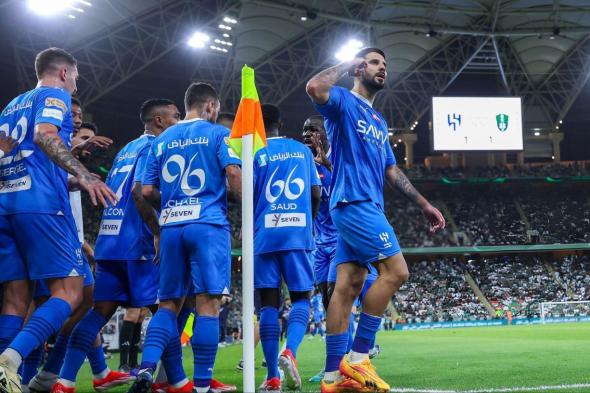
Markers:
point(248, 262)
point(247, 137)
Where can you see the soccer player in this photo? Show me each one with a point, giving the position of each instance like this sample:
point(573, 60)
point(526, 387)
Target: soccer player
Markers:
point(125, 248)
point(318, 315)
point(82, 136)
point(37, 231)
point(286, 198)
point(186, 176)
point(362, 160)
point(130, 337)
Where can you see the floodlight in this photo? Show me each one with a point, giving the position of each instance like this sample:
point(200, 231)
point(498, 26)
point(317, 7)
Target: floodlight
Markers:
point(349, 50)
point(227, 19)
point(49, 7)
point(198, 40)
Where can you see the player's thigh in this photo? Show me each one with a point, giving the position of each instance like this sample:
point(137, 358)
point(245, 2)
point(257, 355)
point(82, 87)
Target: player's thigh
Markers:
point(297, 270)
point(394, 269)
point(174, 264)
point(16, 297)
point(143, 279)
point(358, 241)
point(267, 271)
point(49, 245)
point(12, 264)
point(209, 251)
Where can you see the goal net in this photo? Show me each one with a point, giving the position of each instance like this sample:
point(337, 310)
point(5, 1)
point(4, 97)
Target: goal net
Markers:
point(557, 311)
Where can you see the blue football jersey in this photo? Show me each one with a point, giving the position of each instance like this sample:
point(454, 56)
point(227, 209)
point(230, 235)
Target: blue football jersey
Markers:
point(324, 229)
point(123, 235)
point(284, 172)
point(187, 163)
point(359, 139)
point(29, 181)
point(317, 304)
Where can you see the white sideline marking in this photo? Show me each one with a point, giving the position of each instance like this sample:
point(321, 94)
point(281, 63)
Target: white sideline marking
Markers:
point(496, 390)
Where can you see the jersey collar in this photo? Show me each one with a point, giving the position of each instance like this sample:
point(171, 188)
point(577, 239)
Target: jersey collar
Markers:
point(360, 97)
point(190, 120)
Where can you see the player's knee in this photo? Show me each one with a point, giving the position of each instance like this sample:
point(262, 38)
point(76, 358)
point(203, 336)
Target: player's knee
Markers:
point(269, 297)
point(395, 278)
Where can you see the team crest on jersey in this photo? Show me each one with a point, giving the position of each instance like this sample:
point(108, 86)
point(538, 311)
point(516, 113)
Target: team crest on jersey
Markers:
point(52, 101)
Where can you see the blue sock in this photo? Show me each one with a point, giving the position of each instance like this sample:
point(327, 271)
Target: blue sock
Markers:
point(31, 364)
point(183, 315)
point(96, 358)
point(172, 360)
point(10, 325)
point(335, 350)
point(350, 333)
point(372, 343)
point(204, 343)
point(44, 322)
point(81, 341)
point(297, 324)
point(365, 333)
point(56, 356)
point(162, 327)
point(269, 338)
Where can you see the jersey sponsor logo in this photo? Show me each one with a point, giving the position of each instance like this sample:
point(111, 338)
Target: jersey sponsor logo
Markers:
point(183, 143)
point(14, 185)
point(179, 214)
point(110, 227)
point(371, 130)
point(54, 113)
point(278, 220)
point(52, 101)
point(16, 108)
point(286, 156)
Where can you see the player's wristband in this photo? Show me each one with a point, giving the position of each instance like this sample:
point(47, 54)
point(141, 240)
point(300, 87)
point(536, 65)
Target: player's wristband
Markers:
point(1, 154)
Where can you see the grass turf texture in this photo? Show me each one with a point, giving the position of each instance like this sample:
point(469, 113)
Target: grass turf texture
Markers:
point(446, 359)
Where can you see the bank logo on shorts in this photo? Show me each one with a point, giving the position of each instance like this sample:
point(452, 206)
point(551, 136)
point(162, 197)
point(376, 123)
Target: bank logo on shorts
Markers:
point(502, 121)
point(384, 236)
point(291, 189)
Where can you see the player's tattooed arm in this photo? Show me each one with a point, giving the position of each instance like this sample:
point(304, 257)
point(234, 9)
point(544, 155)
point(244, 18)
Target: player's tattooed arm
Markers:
point(396, 178)
point(48, 140)
point(318, 87)
point(316, 195)
point(145, 209)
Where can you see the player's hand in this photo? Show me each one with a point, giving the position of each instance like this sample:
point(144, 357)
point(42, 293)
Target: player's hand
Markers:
point(91, 144)
point(319, 155)
point(157, 249)
point(357, 66)
point(434, 217)
point(7, 143)
point(98, 191)
point(74, 184)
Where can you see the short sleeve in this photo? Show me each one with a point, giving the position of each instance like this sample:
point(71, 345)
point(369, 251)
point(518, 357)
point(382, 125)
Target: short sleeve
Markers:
point(225, 154)
point(141, 163)
point(151, 175)
point(52, 105)
point(332, 108)
point(389, 157)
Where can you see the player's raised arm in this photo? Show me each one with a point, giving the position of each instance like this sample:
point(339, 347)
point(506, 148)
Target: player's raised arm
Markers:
point(318, 87)
point(396, 178)
point(48, 140)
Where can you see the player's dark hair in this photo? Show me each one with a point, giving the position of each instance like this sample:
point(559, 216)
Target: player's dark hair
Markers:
point(225, 116)
point(146, 112)
point(76, 101)
point(365, 51)
point(91, 126)
point(50, 58)
point(198, 94)
point(271, 115)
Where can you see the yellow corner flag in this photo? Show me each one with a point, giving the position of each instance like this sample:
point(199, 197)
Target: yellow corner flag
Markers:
point(249, 116)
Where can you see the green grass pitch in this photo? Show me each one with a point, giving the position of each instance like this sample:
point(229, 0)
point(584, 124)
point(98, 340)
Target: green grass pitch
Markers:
point(489, 359)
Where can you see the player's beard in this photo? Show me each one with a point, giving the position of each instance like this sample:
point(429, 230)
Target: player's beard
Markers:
point(372, 85)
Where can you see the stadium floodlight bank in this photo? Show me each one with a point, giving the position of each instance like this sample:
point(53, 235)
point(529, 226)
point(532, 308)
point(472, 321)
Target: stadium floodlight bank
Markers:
point(550, 310)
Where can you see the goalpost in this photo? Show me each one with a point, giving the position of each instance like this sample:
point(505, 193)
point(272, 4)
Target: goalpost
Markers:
point(564, 310)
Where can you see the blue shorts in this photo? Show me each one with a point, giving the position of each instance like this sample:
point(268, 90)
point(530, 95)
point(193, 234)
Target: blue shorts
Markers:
point(42, 290)
point(294, 266)
point(364, 234)
point(36, 246)
point(129, 283)
point(318, 317)
point(322, 257)
point(197, 255)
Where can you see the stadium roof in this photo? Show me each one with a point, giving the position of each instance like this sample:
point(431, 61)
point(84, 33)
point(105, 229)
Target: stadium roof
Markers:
point(134, 49)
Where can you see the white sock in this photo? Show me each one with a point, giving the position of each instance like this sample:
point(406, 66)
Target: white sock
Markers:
point(180, 384)
point(13, 357)
point(356, 357)
point(332, 376)
point(202, 390)
point(102, 374)
point(67, 383)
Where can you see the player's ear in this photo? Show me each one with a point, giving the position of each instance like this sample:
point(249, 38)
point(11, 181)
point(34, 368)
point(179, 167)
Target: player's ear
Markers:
point(63, 72)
